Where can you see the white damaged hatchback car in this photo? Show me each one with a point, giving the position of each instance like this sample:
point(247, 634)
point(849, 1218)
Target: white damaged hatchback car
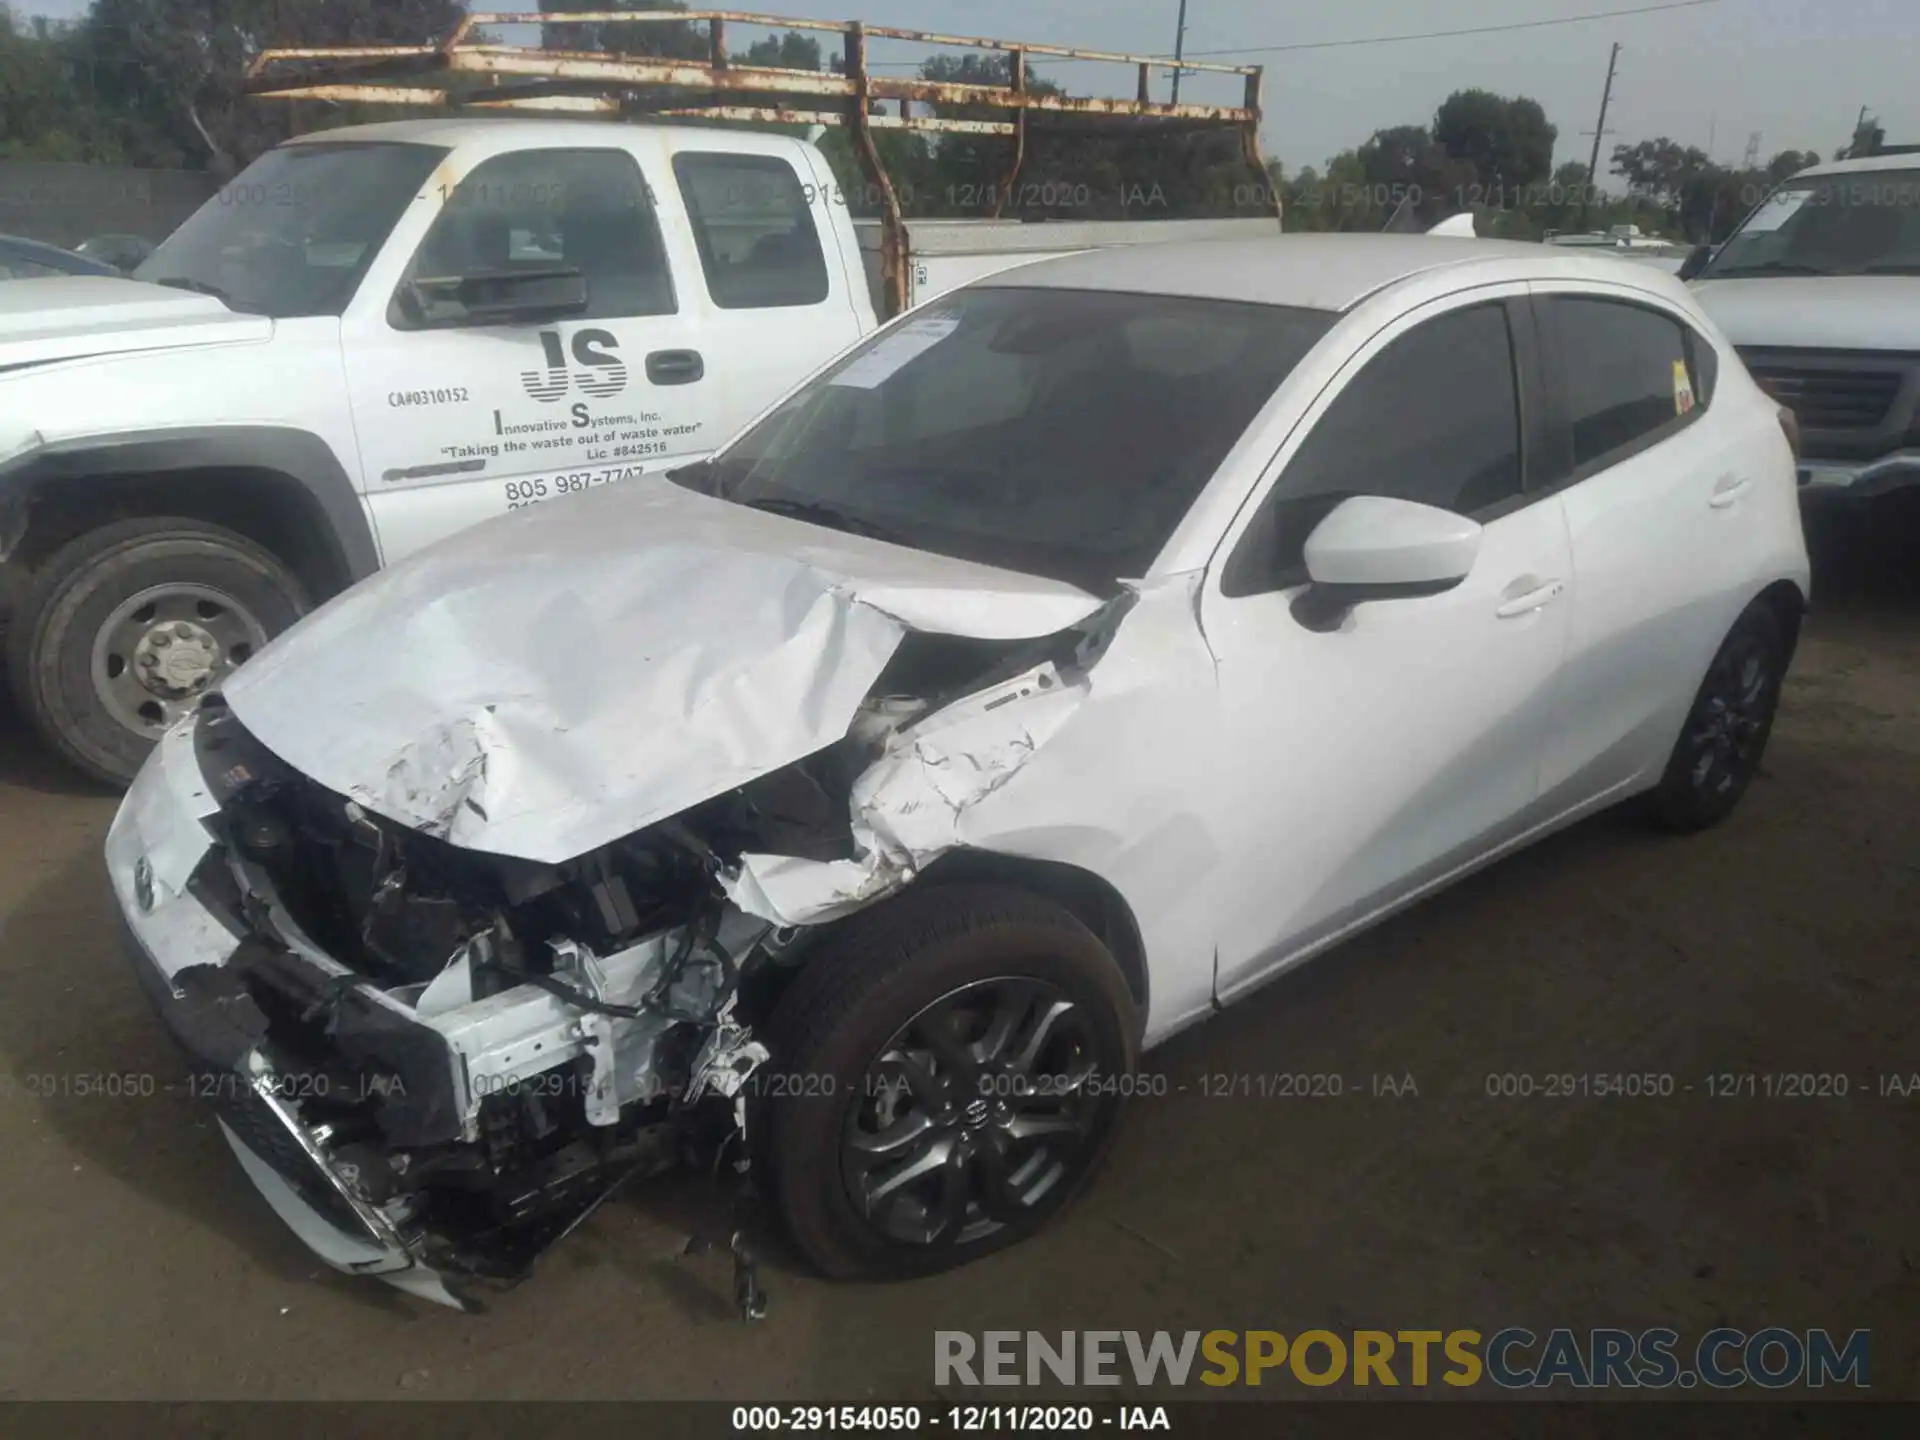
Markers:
point(1073, 655)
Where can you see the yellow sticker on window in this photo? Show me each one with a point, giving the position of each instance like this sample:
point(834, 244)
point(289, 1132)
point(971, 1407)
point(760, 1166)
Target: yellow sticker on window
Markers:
point(1682, 388)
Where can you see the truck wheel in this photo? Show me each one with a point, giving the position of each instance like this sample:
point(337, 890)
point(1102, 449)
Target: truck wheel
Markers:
point(125, 628)
point(946, 1074)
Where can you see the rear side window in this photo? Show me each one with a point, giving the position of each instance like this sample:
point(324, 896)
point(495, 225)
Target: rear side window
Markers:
point(754, 229)
point(1434, 418)
point(1627, 376)
point(536, 210)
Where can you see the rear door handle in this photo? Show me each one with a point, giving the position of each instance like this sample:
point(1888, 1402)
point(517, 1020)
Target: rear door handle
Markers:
point(1727, 489)
point(675, 367)
point(1515, 600)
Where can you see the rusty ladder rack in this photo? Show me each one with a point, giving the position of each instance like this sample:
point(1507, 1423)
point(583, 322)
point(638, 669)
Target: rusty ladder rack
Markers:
point(469, 70)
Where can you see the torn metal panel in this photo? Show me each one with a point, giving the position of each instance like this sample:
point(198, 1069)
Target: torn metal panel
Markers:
point(911, 805)
point(689, 646)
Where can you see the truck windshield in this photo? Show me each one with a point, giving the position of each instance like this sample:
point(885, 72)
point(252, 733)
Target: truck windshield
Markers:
point(295, 231)
point(1059, 432)
point(1866, 222)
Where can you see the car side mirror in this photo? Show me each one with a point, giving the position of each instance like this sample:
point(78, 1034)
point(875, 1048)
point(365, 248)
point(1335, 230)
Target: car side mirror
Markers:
point(1696, 261)
point(494, 297)
point(1372, 547)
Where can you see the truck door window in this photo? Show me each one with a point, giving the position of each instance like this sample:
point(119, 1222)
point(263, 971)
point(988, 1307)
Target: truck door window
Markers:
point(754, 228)
point(535, 209)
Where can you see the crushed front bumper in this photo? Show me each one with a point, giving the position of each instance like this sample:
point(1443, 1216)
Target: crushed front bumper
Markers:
point(438, 1136)
point(179, 948)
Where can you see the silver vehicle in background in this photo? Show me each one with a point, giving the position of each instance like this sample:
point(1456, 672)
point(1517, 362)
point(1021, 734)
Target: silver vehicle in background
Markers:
point(1820, 291)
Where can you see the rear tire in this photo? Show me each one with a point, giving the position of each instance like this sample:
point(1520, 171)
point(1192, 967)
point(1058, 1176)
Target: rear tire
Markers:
point(891, 1030)
point(1726, 730)
point(122, 630)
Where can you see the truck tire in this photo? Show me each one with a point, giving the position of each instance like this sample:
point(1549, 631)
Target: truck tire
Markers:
point(945, 1074)
point(123, 629)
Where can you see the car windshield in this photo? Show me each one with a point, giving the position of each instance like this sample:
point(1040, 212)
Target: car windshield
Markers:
point(1058, 432)
point(294, 232)
point(1862, 223)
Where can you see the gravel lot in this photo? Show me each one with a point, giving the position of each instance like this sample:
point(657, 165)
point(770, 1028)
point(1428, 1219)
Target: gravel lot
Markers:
point(139, 1263)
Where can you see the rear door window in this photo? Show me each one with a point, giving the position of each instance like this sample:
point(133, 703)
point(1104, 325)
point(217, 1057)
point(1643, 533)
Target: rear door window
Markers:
point(1627, 377)
point(754, 228)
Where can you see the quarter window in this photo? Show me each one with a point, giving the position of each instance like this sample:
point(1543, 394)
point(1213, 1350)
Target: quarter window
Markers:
point(587, 210)
point(1626, 375)
point(754, 228)
point(1434, 418)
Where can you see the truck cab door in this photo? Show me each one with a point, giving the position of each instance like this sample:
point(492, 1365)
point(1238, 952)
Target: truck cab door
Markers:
point(779, 298)
point(458, 420)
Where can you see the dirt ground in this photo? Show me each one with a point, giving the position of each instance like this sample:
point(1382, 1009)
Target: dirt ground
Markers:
point(137, 1263)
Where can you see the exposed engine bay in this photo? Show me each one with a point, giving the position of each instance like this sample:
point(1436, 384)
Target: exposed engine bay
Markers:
point(462, 1054)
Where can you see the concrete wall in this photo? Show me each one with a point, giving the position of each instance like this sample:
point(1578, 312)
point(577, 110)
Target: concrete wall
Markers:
point(65, 204)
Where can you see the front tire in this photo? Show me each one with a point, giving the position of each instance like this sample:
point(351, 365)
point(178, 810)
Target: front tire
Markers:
point(1726, 730)
point(947, 1074)
point(123, 629)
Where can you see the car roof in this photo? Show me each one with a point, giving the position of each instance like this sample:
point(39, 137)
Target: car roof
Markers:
point(1312, 272)
point(1909, 161)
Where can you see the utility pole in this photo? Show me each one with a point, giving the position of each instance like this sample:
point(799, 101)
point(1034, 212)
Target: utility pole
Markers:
point(1606, 98)
point(1179, 48)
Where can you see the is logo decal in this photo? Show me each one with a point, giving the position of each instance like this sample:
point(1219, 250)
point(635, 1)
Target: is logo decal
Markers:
point(599, 371)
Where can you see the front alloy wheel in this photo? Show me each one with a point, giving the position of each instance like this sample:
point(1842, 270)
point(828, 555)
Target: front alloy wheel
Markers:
point(948, 1072)
point(972, 1113)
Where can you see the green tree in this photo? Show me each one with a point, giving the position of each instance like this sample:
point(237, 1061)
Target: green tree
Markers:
point(1660, 169)
point(170, 71)
point(676, 39)
point(1789, 163)
point(46, 98)
point(789, 50)
point(1508, 142)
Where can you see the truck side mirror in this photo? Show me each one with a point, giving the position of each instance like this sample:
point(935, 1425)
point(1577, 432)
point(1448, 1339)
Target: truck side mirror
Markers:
point(1696, 261)
point(491, 297)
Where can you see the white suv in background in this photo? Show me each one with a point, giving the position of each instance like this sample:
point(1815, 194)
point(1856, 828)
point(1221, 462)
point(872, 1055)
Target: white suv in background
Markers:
point(1820, 292)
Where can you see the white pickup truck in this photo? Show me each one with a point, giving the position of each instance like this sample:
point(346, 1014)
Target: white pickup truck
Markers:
point(378, 335)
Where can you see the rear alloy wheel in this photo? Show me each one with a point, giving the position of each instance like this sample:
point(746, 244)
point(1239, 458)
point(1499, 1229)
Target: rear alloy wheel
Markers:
point(947, 1075)
point(1719, 749)
point(124, 629)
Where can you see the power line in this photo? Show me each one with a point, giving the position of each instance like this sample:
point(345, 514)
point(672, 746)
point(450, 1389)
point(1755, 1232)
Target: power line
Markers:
point(1378, 39)
point(1447, 34)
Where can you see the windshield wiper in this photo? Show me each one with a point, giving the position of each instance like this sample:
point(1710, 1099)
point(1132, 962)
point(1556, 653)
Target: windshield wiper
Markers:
point(199, 287)
point(1764, 267)
point(695, 475)
point(815, 513)
point(1892, 267)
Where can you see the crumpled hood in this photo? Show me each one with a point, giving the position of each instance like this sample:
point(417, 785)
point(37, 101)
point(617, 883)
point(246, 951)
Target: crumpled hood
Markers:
point(552, 680)
point(67, 317)
point(1839, 312)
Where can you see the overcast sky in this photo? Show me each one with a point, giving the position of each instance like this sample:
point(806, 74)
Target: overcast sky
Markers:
point(1797, 71)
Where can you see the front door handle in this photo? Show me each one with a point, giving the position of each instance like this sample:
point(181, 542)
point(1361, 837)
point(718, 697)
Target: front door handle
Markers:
point(675, 367)
point(1727, 489)
point(1527, 595)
